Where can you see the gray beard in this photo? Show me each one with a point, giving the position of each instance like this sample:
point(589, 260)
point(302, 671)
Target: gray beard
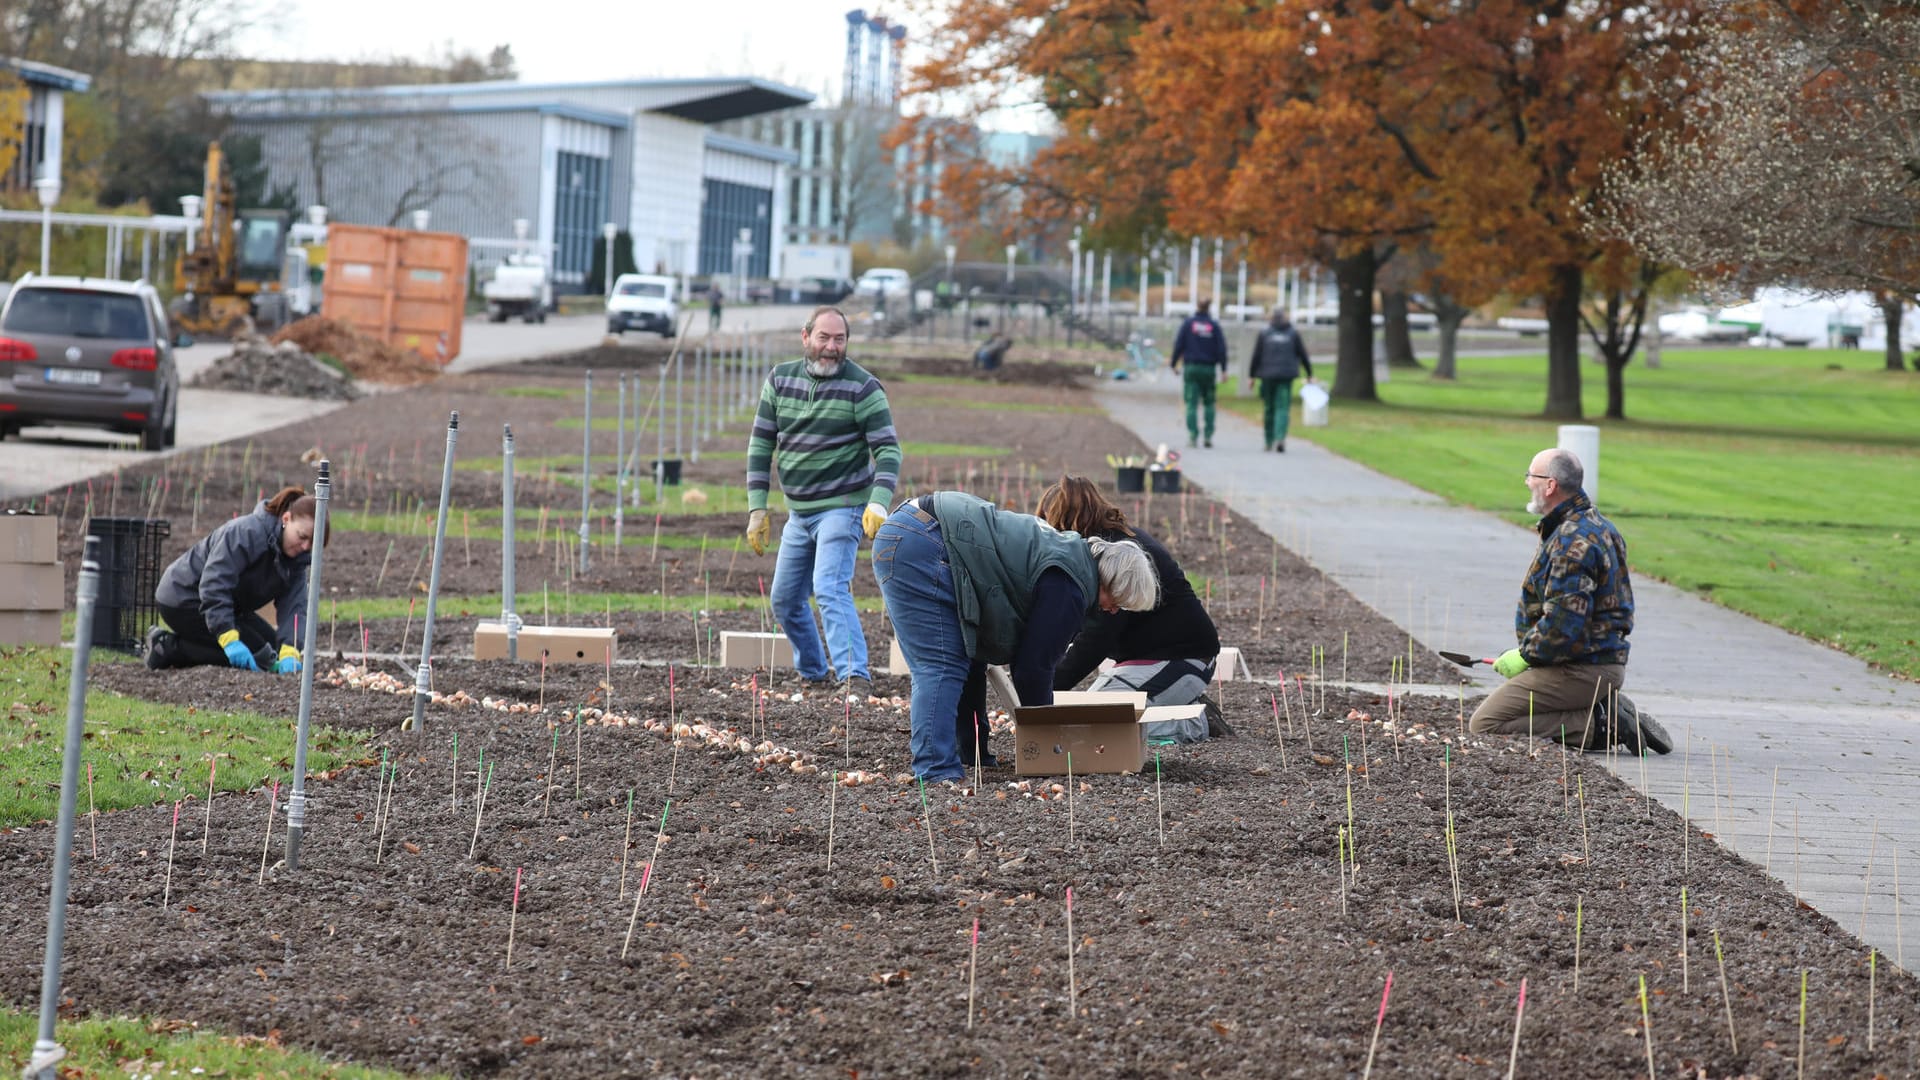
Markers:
point(825, 369)
point(1534, 507)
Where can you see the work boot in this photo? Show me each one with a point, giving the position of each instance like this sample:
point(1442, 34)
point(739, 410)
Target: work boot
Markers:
point(859, 689)
point(159, 648)
point(1193, 441)
point(1633, 731)
point(1207, 442)
point(1280, 447)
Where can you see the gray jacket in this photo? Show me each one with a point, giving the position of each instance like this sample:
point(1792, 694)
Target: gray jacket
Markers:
point(239, 566)
point(1279, 353)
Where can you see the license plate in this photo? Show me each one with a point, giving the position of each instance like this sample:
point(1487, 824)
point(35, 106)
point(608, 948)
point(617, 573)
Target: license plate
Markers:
point(73, 376)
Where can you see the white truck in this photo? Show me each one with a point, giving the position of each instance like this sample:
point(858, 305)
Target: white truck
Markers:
point(520, 287)
point(814, 273)
point(643, 302)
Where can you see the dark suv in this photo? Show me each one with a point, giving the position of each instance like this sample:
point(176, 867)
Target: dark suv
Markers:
point(88, 351)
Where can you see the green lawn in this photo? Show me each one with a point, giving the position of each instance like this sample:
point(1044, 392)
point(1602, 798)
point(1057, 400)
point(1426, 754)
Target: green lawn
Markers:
point(129, 1047)
point(141, 753)
point(1777, 482)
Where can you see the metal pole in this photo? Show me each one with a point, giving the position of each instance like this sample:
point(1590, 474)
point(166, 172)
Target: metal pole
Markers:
point(1243, 290)
point(1106, 282)
point(620, 467)
point(699, 402)
point(507, 617)
point(586, 467)
point(660, 438)
point(297, 801)
point(423, 676)
point(46, 1052)
point(46, 237)
point(679, 396)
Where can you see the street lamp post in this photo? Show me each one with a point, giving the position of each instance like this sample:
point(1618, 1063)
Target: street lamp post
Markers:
point(48, 188)
point(420, 220)
point(190, 206)
point(609, 231)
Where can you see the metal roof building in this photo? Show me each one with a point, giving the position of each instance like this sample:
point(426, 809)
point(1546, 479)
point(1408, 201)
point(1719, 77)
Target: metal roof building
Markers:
point(565, 157)
point(44, 122)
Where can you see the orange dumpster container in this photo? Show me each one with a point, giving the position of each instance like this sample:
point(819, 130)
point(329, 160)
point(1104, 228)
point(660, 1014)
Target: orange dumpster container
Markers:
point(407, 288)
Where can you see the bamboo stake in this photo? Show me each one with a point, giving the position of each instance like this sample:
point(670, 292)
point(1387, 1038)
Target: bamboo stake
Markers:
point(1796, 857)
point(1726, 999)
point(626, 846)
point(1519, 1013)
point(1159, 806)
point(972, 967)
point(1771, 796)
point(926, 812)
point(273, 800)
point(1899, 950)
point(514, 918)
point(1872, 964)
point(93, 825)
point(1866, 886)
point(1073, 986)
point(1803, 1023)
point(456, 772)
point(1378, 1023)
point(206, 824)
point(480, 811)
point(833, 798)
point(166, 893)
point(1069, 797)
point(1685, 982)
point(1586, 848)
point(579, 727)
point(553, 755)
point(1646, 1025)
point(1340, 849)
point(1579, 903)
point(386, 817)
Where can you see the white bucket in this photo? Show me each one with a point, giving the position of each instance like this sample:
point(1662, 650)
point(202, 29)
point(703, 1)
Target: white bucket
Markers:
point(1313, 405)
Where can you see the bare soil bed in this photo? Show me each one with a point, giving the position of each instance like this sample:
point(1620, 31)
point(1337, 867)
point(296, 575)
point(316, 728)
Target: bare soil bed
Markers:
point(1213, 931)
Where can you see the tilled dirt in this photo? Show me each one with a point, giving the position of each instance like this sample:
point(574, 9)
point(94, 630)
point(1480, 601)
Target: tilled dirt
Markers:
point(1208, 931)
point(1209, 934)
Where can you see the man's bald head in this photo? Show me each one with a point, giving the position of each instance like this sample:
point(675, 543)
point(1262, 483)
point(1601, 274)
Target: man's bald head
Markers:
point(1553, 477)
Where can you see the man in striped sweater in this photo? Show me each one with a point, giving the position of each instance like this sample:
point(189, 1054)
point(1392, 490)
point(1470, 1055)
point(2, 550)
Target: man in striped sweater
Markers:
point(824, 423)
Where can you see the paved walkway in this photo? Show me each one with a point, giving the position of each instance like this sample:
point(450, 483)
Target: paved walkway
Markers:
point(1843, 741)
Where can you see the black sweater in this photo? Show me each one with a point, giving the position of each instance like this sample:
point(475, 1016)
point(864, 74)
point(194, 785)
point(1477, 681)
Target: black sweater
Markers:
point(1177, 629)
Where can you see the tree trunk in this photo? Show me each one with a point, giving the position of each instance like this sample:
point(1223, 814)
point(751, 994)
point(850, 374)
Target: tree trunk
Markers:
point(1617, 386)
point(1393, 305)
point(1892, 308)
point(1353, 376)
point(1450, 320)
point(1563, 343)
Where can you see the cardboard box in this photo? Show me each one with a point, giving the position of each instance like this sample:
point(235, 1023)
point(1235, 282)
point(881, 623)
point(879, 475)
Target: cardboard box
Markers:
point(29, 538)
point(896, 660)
point(1101, 731)
point(32, 587)
point(29, 627)
point(1226, 666)
point(595, 645)
point(750, 649)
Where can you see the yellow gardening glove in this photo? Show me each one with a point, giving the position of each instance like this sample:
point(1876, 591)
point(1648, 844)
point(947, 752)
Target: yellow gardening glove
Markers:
point(875, 517)
point(1510, 663)
point(759, 531)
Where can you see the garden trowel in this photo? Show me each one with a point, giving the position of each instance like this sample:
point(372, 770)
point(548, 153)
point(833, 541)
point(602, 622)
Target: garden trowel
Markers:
point(1464, 660)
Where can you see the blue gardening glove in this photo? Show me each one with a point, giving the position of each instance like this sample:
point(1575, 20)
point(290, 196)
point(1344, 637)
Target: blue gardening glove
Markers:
point(237, 654)
point(289, 661)
point(1510, 663)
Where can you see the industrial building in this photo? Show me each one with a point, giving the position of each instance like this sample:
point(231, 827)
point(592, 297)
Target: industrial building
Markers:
point(565, 158)
point(41, 127)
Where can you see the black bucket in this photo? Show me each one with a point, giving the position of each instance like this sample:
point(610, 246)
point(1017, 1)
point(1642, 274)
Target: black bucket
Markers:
point(1129, 481)
point(1166, 481)
point(131, 562)
point(667, 471)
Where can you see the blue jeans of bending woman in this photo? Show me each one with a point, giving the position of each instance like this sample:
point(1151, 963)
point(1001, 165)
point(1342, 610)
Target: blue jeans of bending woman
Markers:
point(910, 563)
point(817, 553)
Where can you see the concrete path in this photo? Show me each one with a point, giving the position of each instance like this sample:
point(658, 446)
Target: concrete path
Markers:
point(1844, 741)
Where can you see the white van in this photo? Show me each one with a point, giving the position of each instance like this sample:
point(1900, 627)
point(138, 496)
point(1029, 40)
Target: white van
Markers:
point(883, 282)
point(643, 302)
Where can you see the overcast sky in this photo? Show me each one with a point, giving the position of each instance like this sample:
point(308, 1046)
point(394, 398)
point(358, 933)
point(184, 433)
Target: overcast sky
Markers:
point(798, 42)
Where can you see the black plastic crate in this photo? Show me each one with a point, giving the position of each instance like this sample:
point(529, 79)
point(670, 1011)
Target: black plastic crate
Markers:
point(130, 564)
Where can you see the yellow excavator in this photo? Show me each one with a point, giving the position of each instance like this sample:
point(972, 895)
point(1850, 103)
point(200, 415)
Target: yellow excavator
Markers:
point(230, 272)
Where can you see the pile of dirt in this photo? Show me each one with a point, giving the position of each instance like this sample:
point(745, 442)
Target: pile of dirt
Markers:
point(260, 367)
point(366, 358)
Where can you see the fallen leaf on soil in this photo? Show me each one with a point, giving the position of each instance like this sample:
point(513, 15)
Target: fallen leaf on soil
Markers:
point(1322, 759)
point(529, 1040)
point(887, 882)
point(412, 848)
point(1222, 1028)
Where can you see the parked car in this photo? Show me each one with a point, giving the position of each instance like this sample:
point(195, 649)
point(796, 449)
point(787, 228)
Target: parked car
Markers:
point(92, 352)
point(643, 302)
point(884, 283)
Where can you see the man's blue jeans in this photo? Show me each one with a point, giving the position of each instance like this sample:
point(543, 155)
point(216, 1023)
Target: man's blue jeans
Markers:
point(817, 552)
point(910, 563)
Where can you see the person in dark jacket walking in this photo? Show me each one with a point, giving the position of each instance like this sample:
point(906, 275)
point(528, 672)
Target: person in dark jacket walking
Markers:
point(210, 596)
point(1168, 653)
point(1572, 622)
point(1279, 356)
point(1202, 346)
point(969, 584)
point(715, 301)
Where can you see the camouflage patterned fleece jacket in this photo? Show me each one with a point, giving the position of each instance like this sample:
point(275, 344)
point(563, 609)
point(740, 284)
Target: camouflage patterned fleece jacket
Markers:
point(1576, 606)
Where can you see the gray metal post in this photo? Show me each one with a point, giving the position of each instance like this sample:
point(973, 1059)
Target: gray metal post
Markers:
point(620, 465)
point(297, 801)
point(699, 429)
point(679, 395)
point(47, 1052)
point(660, 437)
point(507, 617)
point(423, 676)
point(586, 472)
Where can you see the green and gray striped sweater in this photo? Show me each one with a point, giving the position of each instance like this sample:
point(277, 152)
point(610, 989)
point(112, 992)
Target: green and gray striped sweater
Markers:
point(832, 440)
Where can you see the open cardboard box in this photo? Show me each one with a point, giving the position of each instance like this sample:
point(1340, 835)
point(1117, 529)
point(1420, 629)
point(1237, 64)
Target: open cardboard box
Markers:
point(1105, 732)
